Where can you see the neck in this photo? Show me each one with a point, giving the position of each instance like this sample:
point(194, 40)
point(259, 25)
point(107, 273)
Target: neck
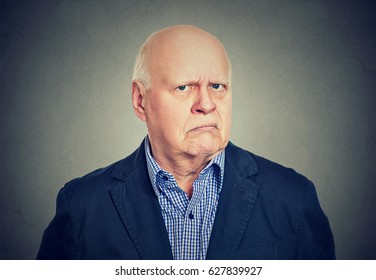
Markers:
point(185, 168)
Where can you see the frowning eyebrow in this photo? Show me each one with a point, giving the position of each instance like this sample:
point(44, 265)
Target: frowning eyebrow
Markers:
point(225, 82)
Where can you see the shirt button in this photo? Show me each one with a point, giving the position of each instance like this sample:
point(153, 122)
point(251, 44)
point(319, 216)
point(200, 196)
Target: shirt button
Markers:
point(191, 216)
point(165, 177)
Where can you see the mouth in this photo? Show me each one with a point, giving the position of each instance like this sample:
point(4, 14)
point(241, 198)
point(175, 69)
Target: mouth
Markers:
point(204, 127)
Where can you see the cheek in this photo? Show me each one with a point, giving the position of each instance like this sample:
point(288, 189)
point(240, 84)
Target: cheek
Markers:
point(177, 117)
point(225, 111)
point(226, 120)
point(170, 119)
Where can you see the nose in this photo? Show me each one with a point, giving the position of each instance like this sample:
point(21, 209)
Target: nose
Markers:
point(203, 103)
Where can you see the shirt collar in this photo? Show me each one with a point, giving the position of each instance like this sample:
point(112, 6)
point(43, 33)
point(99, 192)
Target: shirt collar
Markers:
point(154, 169)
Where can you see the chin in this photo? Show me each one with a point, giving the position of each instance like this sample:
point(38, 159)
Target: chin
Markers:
point(205, 148)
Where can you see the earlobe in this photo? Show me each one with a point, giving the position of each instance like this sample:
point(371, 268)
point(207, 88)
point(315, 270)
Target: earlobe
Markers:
point(138, 94)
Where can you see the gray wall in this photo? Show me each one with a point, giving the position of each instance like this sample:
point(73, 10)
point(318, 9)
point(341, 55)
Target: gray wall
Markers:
point(304, 96)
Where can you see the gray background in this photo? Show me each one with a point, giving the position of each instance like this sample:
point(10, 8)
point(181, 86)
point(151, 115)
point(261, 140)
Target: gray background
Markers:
point(304, 96)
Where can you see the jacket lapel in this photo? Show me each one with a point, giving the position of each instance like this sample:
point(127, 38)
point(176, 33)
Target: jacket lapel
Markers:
point(139, 208)
point(235, 205)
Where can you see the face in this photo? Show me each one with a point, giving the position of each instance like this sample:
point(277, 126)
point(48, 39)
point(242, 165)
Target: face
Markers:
point(188, 106)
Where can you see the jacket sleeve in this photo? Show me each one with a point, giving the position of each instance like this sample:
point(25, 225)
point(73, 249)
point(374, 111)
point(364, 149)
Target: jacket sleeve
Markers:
point(58, 241)
point(315, 239)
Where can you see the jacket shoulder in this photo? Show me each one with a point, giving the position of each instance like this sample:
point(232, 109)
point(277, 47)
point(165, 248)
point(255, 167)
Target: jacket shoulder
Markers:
point(90, 186)
point(103, 179)
point(272, 170)
point(269, 174)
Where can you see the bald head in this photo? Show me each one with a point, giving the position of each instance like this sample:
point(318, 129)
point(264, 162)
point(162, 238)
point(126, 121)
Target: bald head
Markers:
point(173, 46)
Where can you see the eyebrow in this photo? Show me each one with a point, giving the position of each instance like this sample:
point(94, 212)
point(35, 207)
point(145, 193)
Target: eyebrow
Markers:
point(195, 82)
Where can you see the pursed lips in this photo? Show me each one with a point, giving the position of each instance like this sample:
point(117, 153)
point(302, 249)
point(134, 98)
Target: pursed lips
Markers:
point(204, 127)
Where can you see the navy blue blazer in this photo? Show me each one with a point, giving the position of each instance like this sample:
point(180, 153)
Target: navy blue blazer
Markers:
point(265, 211)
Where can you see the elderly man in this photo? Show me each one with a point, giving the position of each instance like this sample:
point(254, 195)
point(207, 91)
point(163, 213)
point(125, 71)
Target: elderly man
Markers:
point(186, 192)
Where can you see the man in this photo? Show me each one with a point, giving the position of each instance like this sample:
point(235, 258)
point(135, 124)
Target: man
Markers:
point(186, 192)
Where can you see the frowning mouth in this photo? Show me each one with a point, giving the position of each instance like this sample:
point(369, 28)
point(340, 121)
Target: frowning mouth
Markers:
point(204, 127)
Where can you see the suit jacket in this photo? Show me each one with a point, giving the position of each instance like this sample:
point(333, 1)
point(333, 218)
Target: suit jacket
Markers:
point(265, 211)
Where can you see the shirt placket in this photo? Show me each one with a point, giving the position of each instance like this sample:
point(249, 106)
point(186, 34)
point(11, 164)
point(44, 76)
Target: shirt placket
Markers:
point(192, 233)
point(178, 202)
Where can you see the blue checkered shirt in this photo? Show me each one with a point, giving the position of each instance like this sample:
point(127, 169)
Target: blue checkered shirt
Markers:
point(188, 222)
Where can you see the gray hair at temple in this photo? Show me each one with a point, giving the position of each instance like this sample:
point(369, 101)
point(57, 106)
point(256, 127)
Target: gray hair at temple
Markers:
point(141, 68)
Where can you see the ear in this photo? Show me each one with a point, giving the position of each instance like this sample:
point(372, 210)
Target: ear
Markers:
point(138, 94)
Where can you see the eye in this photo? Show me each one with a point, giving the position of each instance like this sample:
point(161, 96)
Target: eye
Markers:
point(217, 87)
point(184, 88)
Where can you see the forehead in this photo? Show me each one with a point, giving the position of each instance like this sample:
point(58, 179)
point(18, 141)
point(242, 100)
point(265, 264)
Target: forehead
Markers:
point(188, 55)
point(193, 66)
